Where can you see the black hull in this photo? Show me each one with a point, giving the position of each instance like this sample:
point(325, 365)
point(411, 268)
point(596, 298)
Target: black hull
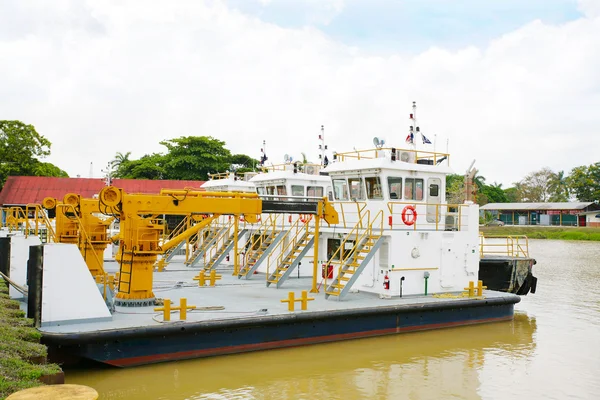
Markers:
point(508, 274)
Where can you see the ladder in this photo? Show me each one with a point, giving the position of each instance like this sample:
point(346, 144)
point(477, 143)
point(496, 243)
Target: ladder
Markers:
point(223, 250)
point(300, 245)
point(267, 241)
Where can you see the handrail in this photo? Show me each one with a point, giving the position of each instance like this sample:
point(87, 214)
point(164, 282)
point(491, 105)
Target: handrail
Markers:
point(270, 226)
point(221, 239)
point(354, 232)
point(291, 244)
point(435, 157)
point(360, 207)
point(83, 233)
point(511, 246)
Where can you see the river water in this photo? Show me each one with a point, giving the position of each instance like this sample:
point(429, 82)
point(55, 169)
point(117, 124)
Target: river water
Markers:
point(551, 350)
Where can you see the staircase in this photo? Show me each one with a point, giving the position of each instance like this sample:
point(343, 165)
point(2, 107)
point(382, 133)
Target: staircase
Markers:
point(211, 235)
point(266, 242)
point(180, 228)
point(352, 262)
point(291, 256)
point(225, 247)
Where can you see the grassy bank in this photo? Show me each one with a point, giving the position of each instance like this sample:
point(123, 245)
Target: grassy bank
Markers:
point(544, 232)
point(22, 357)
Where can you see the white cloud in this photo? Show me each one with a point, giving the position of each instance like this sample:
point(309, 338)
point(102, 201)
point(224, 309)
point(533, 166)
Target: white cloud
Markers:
point(590, 8)
point(107, 76)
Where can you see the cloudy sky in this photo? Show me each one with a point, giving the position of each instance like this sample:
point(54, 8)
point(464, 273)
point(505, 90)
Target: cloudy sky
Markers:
point(513, 84)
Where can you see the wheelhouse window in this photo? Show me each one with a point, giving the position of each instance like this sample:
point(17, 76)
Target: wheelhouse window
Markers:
point(281, 190)
point(373, 185)
point(271, 190)
point(261, 190)
point(314, 191)
point(340, 189)
point(356, 189)
point(297, 190)
point(395, 187)
point(434, 190)
point(413, 189)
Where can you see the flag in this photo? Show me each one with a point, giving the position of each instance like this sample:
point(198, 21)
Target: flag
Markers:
point(409, 138)
point(263, 159)
point(425, 140)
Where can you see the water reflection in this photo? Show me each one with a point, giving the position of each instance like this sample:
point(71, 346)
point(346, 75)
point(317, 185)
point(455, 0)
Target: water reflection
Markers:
point(447, 363)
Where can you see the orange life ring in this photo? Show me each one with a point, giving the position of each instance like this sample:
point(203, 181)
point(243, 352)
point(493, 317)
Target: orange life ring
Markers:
point(405, 215)
point(304, 218)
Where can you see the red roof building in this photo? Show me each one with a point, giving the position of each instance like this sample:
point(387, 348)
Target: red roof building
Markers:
point(23, 190)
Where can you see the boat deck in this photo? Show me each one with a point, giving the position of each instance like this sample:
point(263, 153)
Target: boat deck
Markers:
point(237, 299)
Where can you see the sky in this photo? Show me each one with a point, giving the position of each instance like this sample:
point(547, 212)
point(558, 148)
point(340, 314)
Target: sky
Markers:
point(513, 85)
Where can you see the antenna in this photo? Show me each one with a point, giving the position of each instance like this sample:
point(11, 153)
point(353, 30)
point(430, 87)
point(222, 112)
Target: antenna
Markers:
point(286, 158)
point(91, 169)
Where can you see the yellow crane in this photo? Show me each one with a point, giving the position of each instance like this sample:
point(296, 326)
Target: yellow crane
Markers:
point(140, 228)
point(76, 221)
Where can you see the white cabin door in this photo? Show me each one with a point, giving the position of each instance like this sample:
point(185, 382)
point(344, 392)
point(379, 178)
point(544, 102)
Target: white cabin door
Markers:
point(434, 196)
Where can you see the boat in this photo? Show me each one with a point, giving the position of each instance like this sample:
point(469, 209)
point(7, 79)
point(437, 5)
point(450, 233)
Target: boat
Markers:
point(378, 252)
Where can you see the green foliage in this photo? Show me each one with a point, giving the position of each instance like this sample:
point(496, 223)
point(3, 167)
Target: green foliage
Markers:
point(455, 189)
point(21, 146)
point(241, 163)
point(187, 158)
point(584, 182)
point(494, 194)
point(19, 349)
point(512, 195)
point(555, 233)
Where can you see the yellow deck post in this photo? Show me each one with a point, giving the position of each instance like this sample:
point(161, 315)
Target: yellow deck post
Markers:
point(166, 309)
point(316, 253)
point(305, 299)
point(201, 278)
point(471, 289)
point(236, 260)
point(183, 307)
point(480, 288)
point(290, 300)
point(214, 277)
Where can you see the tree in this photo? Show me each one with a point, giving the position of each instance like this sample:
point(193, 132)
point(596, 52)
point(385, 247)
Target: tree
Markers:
point(535, 187)
point(194, 157)
point(455, 189)
point(21, 147)
point(559, 188)
point(584, 182)
point(147, 167)
point(493, 194)
point(513, 194)
point(241, 163)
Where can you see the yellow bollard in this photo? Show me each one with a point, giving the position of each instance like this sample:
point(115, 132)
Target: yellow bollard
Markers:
point(166, 309)
point(480, 288)
point(201, 278)
point(214, 277)
point(183, 307)
point(161, 265)
point(305, 299)
point(471, 289)
point(290, 300)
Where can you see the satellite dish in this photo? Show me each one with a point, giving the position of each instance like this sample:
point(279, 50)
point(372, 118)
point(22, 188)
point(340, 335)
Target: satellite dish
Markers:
point(286, 158)
point(376, 141)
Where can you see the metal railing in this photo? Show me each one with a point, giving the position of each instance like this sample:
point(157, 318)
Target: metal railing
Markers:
point(511, 246)
point(287, 243)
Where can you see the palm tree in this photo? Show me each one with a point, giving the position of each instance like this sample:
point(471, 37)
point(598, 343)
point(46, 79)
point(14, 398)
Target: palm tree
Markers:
point(559, 188)
point(120, 158)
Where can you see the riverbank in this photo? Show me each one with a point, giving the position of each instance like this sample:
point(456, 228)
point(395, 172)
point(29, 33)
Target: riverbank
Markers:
point(22, 357)
point(544, 232)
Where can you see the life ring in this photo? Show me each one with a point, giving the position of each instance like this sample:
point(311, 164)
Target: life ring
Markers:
point(304, 218)
point(409, 220)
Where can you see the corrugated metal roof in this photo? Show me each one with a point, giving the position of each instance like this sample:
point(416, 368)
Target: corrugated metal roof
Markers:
point(21, 190)
point(536, 206)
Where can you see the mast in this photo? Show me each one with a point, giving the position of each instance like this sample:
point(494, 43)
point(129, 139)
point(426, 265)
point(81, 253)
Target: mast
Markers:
point(323, 147)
